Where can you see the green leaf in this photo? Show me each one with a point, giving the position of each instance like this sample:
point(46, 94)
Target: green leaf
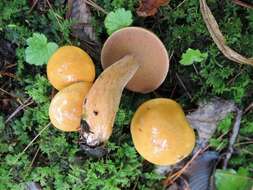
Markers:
point(192, 56)
point(118, 19)
point(232, 180)
point(39, 50)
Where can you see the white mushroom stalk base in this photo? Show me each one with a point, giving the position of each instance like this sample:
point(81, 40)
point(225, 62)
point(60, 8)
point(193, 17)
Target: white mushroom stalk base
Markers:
point(102, 102)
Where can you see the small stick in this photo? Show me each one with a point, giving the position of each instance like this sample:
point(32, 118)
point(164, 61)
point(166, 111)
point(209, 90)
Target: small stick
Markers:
point(96, 6)
point(8, 93)
point(8, 74)
point(10, 66)
point(19, 108)
point(33, 5)
point(181, 82)
point(34, 157)
point(30, 143)
point(243, 143)
point(233, 137)
point(243, 4)
point(248, 108)
point(180, 4)
point(176, 175)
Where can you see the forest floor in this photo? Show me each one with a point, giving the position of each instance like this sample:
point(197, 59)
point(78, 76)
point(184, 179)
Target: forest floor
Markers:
point(53, 159)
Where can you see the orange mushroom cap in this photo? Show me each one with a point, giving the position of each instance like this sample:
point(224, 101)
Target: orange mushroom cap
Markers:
point(70, 64)
point(65, 110)
point(148, 51)
point(161, 133)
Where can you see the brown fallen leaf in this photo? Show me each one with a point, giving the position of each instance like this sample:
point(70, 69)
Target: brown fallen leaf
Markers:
point(218, 37)
point(79, 11)
point(149, 7)
point(206, 118)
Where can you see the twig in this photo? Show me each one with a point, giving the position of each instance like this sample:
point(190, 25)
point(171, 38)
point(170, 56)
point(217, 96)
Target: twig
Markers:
point(232, 139)
point(247, 151)
point(33, 5)
point(30, 143)
point(34, 157)
point(248, 108)
point(173, 91)
point(243, 143)
point(180, 4)
point(8, 74)
point(171, 55)
point(136, 183)
point(19, 108)
point(218, 37)
point(176, 175)
point(243, 4)
point(235, 77)
point(96, 6)
point(10, 66)
point(8, 93)
point(181, 82)
point(49, 4)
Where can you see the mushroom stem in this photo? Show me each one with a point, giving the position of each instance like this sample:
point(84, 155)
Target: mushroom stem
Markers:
point(102, 101)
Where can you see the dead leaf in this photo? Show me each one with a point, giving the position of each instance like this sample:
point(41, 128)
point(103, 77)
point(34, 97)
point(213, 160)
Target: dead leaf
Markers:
point(79, 11)
point(199, 174)
point(149, 7)
point(218, 37)
point(206, 118)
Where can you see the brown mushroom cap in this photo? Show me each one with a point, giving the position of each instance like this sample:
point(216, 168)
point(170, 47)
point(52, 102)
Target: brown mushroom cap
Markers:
point(161, 133)
point(146, 48)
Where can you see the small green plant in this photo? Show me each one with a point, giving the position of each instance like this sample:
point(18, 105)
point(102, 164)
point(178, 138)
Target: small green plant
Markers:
point(233, 180)
point(191, 56)
point(39, 50)
point(118, 19)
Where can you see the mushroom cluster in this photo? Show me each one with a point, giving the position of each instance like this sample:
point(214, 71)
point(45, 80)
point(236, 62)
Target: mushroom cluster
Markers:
point(71, 71)
point(132, 58)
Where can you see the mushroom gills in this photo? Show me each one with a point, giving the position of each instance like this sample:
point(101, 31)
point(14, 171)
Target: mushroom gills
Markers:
point(101, 103)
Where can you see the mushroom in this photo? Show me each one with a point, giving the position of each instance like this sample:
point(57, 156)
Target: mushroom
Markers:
point(148, 51)
point(161, 133)
point(132, 56)
point(70, 64)
point(65, 109)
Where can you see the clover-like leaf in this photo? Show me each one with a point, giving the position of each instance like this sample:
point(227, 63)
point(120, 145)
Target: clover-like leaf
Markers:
point(118, 19)
point(39, 50)
point(191, 56)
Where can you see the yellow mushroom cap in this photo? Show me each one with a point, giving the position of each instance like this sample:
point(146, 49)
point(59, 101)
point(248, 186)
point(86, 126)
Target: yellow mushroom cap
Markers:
point(65, 110)
point(161, 133)
point(70, 64)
